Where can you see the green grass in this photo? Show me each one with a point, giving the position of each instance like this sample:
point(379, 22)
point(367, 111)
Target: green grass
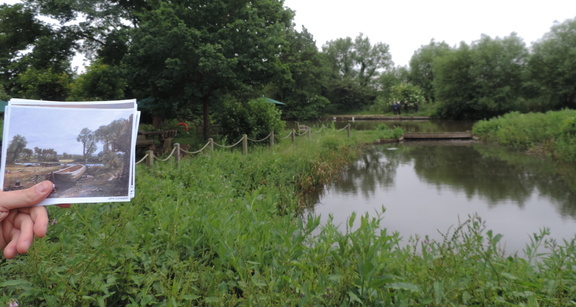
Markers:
point(552, 133)
point(225, 229)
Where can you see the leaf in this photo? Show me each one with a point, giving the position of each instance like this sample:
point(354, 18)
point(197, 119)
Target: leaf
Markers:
point(21, 283)
point(404, 286)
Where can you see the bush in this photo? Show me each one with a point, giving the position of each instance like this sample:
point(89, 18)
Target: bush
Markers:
point(256, 119)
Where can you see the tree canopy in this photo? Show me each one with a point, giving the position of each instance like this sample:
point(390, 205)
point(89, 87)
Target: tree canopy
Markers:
point(184, 58)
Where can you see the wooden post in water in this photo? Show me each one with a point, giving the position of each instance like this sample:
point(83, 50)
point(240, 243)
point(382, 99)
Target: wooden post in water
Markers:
point(272, 139)
point(177, 151)
point(150, 158)
point(245, 144)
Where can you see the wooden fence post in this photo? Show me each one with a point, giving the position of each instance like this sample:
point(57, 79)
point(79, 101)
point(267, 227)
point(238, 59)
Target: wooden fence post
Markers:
point(272, 139)
point(211, 142)
point(150, 158)
point(245, 144)
point(293, 135)
point(309, 132)
point(348, 130)
point(177, 145)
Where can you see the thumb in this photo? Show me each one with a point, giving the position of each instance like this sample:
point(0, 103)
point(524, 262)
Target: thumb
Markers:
point(25, 198)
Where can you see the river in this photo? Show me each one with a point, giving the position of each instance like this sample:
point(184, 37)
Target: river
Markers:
point(428, 188)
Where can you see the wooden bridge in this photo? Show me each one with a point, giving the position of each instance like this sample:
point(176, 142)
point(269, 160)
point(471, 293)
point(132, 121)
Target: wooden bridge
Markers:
point(463, 135)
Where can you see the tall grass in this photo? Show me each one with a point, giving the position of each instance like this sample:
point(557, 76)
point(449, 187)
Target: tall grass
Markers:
point(224, 229)
point(552, 133)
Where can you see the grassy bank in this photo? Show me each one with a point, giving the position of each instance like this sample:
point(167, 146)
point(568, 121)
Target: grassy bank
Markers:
point(224, 229)
point(552, 133)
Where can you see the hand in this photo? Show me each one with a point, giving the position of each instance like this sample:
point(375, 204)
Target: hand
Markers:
point(19, 221)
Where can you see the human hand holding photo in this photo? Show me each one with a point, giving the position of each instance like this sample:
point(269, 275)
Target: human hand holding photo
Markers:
point(20, 221)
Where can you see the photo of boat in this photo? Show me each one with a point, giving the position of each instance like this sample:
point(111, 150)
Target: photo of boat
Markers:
point(70, 173)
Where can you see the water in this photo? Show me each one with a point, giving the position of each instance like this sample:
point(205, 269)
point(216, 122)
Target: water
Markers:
point(428, 187)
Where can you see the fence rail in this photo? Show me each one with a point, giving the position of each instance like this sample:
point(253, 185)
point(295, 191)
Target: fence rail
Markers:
point(177, 151)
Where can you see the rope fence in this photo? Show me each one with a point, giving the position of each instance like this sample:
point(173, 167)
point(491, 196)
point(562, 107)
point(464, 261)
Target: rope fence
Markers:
point(177, 151)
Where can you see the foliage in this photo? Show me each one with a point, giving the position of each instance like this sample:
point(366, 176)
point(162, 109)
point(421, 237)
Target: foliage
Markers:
point(355, 64)
point(552, 131)
point(551, 66)
point(224, 228)
point(257, 119)
point(189, 58)
point(15, 148)
point(99, 82)
point(422, 67)
point(387, 133)
point(481, 80)
point(302, 92)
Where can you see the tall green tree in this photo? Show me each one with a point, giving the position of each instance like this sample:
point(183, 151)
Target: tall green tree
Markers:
point(188, 53)
point(421, 67)
point(552, 65)
point(356, 65)
point(99, 82)
point(481, 80)
point(303, 88)
point(358, 59)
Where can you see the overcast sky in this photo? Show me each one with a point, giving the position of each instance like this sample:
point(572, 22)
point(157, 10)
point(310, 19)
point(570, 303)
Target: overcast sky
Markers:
point(58, 128)
point(406, 25)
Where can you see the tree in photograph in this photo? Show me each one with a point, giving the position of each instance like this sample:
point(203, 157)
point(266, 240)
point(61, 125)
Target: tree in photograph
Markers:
point(15, 148)
point(552, 66)
point(88, 140)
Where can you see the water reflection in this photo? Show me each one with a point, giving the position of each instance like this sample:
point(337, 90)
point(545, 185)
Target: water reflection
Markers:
point(427, 187)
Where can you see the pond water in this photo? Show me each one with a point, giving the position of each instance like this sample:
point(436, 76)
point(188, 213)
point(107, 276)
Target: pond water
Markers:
point(428, 188)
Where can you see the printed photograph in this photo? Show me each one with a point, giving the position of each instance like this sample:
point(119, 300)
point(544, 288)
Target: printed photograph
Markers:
point(85, 152)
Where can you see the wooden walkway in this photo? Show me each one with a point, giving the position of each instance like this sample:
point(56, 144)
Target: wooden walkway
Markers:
point(464, 135)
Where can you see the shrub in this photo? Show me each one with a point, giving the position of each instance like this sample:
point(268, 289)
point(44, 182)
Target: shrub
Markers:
point(256, 119)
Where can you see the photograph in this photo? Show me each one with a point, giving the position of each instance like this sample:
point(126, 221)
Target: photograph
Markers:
point(87, 152)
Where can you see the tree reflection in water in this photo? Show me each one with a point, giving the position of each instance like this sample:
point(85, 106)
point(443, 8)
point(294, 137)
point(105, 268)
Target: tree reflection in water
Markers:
point(491, 179)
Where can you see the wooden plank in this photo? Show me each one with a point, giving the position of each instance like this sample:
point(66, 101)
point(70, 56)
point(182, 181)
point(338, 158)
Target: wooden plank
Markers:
point(438, 135)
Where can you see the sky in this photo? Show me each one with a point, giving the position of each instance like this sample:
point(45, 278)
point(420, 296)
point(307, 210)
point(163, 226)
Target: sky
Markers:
point(407, 25)
point(58, 128)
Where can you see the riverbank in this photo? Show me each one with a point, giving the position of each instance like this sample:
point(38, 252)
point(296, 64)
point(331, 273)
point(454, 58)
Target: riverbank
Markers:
point(375, 117)
point(552, 133)
point(225, 228)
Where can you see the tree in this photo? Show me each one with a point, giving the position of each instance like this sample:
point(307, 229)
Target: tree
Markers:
point(99, 82)
point(421, 67)
point(356, 65)
point(481, 80)
point(15, 148)
point(358, 59)
point(552, 67)
point(88, 140)
point(303, 89)
point(187, 55)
